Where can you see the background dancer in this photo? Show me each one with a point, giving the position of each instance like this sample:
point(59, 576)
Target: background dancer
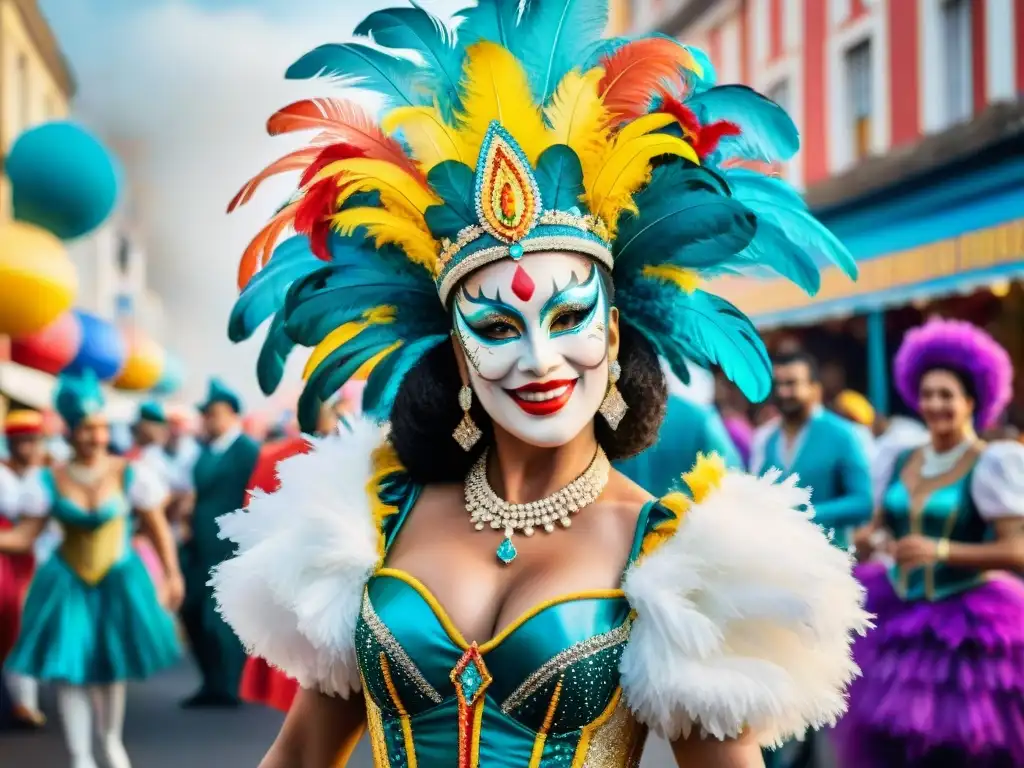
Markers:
point(943, 680)
point(92, 620)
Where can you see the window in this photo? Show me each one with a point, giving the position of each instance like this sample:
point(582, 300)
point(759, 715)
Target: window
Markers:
point(958, 95)
point(24, 93)
point(859, 98)
point(124, 256)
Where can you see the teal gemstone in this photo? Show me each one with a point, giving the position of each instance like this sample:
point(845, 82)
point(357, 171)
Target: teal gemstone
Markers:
point(507, 551)
point(470, 680)
point(515, 251)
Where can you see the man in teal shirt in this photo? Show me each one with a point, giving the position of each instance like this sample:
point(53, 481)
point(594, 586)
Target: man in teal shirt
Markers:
point(688, 429)
point(220, 480)
point(829, 457)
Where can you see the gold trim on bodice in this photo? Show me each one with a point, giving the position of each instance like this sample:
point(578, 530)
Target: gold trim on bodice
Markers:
point(92, 552)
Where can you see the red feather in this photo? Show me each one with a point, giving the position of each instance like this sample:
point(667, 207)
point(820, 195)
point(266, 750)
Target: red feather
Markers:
point(712, 133)
point(634, 72)
point(329, 154)
point(293, 161)
point(703, 138)
point(262, 246)
point(312, 216)
point(673, 106)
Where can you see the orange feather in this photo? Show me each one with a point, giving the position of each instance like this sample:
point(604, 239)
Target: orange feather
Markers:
point(638, 69)
point(294, 161)
point(262, 246)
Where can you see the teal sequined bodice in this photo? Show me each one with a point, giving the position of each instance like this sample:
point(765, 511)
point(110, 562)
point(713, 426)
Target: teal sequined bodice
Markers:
point(939, 508)
point(544, 692)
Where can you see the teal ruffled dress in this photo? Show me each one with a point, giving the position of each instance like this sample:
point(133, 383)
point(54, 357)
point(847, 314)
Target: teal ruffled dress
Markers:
point(92, 615)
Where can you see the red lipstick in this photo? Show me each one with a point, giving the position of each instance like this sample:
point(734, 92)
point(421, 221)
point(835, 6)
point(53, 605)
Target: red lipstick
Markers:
point(543, 398)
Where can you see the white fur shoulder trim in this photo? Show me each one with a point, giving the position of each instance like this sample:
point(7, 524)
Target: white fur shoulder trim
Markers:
point(745, 618)
point(292, 591)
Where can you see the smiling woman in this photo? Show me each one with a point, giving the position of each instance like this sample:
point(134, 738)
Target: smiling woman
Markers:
point(509, 252)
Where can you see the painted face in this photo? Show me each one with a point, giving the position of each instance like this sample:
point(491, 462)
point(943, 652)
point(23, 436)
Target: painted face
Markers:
point(535, 334)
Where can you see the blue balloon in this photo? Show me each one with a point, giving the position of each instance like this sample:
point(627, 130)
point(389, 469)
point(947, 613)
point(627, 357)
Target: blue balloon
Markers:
point(103, 349)
point(63, 179)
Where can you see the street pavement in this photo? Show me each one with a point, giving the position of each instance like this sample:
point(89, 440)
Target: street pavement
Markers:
point(160, 735)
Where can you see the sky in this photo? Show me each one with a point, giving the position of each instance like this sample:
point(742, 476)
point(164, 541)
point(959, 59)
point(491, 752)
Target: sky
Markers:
point(187, 86)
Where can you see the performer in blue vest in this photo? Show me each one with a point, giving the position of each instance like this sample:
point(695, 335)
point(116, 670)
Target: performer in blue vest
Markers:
point(821, 447)
point(689, 429)
point(220, 480)
point(943, 676)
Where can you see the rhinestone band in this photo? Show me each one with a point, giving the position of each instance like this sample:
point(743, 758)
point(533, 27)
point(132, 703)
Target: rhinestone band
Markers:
point(485, 507)
point(383, 636)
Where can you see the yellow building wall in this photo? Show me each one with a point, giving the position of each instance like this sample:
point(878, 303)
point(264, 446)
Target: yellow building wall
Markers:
point(29, 94)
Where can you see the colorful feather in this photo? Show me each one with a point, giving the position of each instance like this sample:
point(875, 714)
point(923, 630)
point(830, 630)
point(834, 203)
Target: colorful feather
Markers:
point(417, 30)
point(431, 139)
point(626, 169)
point(298, 160)
point(556, 37)
point(400, 81)
point(453, 183)
point(495, 87)
point(490, 20)
point(262, 246)
point(397, 188)
point(638, 69)
point(578, 117)
point(766, 131)
point(273, 357)
point(560, 178)
point(386, 227)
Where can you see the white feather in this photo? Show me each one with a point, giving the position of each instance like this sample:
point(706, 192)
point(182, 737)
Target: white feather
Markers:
point(745, 618)
point(292, 591)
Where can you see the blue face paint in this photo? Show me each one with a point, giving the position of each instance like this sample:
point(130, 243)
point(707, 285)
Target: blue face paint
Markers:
point(576, 303)
point(491, 321)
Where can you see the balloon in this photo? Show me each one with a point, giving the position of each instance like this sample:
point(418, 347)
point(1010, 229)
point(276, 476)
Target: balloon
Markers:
point(143, 365)
point(103, 347)
point(171, 377)
point(38, 281)
point(63, 179)
point(51, 349)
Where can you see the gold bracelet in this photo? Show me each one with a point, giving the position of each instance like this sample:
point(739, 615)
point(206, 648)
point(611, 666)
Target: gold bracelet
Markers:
point(942, 550)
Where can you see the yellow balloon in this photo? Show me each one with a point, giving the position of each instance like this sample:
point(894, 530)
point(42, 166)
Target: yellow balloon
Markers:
point(143, 366)
point(38, 282)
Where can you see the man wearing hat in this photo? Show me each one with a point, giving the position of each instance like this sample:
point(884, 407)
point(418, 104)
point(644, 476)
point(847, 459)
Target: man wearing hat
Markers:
point(220, 479)
point(24, 432)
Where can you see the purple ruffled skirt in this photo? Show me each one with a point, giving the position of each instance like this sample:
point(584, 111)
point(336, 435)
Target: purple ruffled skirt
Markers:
point(943, 681)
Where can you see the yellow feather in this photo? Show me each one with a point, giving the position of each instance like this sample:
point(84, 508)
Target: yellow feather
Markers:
point(343, 334)
point(387, 227)
point(496, 88)
point(431, 139)
point(706, 475)
point(625, 170)
point(643, 125)
point(685, 279)
point(578, 118)
point(396, 186)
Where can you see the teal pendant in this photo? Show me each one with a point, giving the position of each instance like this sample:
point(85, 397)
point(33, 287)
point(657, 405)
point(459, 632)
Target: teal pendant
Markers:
point(506, 551)
point(515, 251)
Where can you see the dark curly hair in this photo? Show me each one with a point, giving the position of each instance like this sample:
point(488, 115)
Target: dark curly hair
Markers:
point(426, 412)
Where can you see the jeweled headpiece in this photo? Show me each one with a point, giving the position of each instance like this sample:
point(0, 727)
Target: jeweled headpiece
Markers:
point(520, 131)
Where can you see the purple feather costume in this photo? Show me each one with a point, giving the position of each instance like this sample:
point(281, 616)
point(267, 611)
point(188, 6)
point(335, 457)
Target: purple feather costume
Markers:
point(943, 672)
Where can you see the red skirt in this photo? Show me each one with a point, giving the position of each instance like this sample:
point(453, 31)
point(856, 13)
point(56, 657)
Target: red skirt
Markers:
point(263, 684)
point(15, 575)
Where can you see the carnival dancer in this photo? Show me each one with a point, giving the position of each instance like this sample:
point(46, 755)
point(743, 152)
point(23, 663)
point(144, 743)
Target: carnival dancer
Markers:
point(512, 271)
point(24, 432)
point(688, 430)
point(943, 678)
point(92, 620)
point(262, 683)
point(220, 480)
point(820, 447)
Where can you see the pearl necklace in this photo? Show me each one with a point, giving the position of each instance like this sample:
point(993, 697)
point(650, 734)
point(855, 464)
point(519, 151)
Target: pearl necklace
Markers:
point(485, 507)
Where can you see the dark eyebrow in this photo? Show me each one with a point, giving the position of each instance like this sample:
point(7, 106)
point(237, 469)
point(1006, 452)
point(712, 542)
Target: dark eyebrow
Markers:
point(495, 304)
point(575, 292)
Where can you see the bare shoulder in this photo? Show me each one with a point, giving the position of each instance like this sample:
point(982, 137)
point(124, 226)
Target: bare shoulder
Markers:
point(440, 496)
point(623, 501)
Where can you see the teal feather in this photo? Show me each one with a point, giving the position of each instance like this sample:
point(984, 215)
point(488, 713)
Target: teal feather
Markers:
point(709, 77)
point(264, 294)
point(701, 327)
point(559, 177)
point(768, 133)
point(387, 376)
point(452, 181)
point(337, 368)
point(399, 80)
point(493, 20)
point(556, 37)
point(599, 50)
point(776, 203)
point(273, 356)
point(415, 29)
point(78, 396)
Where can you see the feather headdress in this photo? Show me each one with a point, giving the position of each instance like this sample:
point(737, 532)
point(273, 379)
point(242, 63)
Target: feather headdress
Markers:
point(521, 130)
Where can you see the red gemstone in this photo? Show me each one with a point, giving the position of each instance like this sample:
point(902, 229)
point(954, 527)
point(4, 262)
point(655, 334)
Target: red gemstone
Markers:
point(508, 202)
point(522, 284)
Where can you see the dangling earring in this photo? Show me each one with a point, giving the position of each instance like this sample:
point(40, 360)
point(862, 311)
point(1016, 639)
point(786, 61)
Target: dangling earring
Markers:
point(467, 433)
point(613, 407)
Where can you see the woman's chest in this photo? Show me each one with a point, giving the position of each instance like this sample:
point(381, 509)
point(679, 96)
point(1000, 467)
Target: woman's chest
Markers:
point(936, 509)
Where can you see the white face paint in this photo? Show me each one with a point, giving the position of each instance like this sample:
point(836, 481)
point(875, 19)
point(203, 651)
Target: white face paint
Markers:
point(535, 333)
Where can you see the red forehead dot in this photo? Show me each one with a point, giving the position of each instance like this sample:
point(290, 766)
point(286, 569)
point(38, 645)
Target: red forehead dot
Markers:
point(522, 284)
